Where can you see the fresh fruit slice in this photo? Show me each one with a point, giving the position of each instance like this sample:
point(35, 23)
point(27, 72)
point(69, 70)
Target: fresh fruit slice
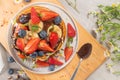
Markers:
point(41, 64)
point(55, 28)
point(32, 45)
point(68, 52)
point(21, 56)
point(34, 16)
point(54, 61)
point(53, 39)
point(36, 27)
point(24, 27)
point(46, 15)
point(20, 43)
point(71, 31)
point(44, 46)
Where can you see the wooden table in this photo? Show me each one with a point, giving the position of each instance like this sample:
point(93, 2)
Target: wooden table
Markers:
point(8, 9)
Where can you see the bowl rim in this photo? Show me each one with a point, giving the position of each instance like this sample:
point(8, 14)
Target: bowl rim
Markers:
point(9, 37)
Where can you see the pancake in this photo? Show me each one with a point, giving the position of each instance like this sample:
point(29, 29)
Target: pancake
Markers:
point(45, 25)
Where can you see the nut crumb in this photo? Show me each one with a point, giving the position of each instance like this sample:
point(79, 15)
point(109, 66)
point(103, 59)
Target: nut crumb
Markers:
point(1, 25)
point(4, 22)
point(11, 12)
point(6, 11)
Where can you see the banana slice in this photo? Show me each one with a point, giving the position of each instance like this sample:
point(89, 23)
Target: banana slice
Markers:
point(30, 35)
point(44, 58)
point(40, 26)
point(35, 35)
point(56, 29)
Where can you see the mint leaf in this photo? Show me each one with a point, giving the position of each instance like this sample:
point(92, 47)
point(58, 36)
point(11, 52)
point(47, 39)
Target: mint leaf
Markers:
point(34, 28)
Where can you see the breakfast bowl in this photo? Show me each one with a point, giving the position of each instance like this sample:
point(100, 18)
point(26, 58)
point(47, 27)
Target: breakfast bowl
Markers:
point(42, 37)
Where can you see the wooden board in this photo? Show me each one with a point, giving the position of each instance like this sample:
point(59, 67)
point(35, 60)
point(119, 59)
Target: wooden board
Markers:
point(8, 9)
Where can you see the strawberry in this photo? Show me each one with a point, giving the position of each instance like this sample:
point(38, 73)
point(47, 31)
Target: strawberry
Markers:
point(32, 45)
point(68, 52)
point(53, 39)
point(44, 46)
point(20, 43)
point(34, 16)
point(24, 28)
point(46, 15)
point(54, 61)
point(21, 56)
point(41, 63)
point(71, 31)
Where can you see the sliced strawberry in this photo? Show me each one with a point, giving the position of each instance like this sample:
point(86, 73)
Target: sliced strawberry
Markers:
point(34, 16)
point(46, 15)
point(71, 31)
point(41, 63)
point(20, 43)
point(21, 56)
point(53, 39)
point(68, 52)
point(54, 61)
point(24, 28)
point(44, 46)
point(32, 45)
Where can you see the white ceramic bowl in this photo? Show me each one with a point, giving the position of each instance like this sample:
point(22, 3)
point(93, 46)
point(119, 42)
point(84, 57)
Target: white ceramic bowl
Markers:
point(67, 19)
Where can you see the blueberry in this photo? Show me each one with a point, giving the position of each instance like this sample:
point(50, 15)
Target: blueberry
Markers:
point(34, 55)
point(10, 71)
point(52, 67)
point(21, 33)
point(24, 18)
point(40, 53)
point(42, 34)
point(57, 20)
point(27, 0)
point(10, 59)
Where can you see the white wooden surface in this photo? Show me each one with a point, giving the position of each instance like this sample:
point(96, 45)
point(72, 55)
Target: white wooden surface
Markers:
point(84, 6)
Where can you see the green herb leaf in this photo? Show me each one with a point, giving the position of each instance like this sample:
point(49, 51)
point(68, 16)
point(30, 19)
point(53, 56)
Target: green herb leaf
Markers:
point(34, 28)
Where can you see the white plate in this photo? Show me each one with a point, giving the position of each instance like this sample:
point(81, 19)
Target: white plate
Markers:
point(66, 18)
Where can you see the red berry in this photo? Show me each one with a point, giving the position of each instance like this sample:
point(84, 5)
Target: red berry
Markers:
point(54, 61)
point(68, 52)
point(20, 43)
point(53, 39)
point(71, 31)
point(34, 16)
